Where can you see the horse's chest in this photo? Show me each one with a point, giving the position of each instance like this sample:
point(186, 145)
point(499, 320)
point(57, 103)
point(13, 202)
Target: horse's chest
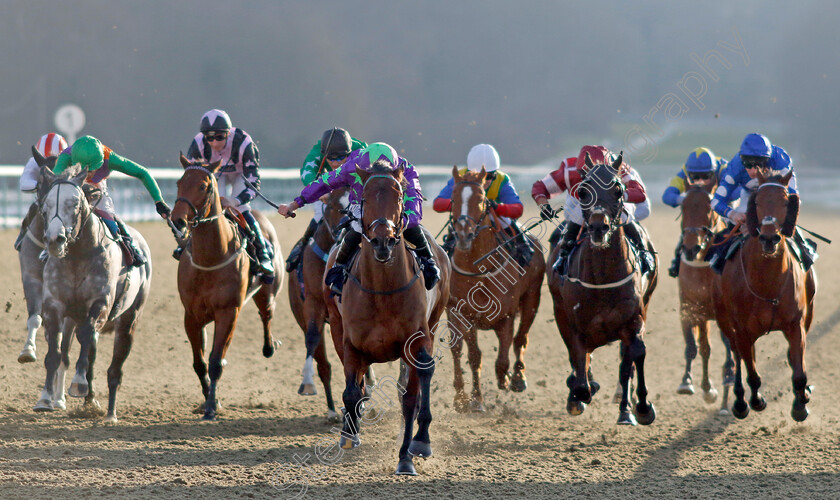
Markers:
point(605, 314)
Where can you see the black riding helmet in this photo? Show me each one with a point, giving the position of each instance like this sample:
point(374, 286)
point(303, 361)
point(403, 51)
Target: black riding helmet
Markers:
point(215, 119)
point(335, 143)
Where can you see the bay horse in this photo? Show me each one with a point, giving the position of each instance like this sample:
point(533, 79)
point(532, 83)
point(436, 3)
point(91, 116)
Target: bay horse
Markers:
point(307, 301)
point(699, 224)
point(488, 295)
point(86, 281)
point(385, 313)
point(763, 288)
point(604, 296)
point(214, 281)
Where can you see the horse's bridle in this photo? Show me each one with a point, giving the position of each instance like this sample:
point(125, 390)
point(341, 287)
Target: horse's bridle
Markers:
point(398, 230)
point(707, 231)
point(208, 205)
point(467, 217)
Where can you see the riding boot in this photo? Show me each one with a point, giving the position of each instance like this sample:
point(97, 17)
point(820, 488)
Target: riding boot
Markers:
point(566, 244)
point(24, 225)
point(555, 237)
point(449, 243)
point(137, 257)
point(807, 249)
point(263, 255)
point(337, 274)
point(523, 251)
point(631, 230)
point(296, 253)
point(674, 270)
point(431, 272)
point(720, 247)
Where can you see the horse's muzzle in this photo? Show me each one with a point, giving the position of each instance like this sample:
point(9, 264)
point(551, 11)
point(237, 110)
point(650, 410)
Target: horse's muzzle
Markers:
point(769, 243)
point(463, 242)
point(383, 248)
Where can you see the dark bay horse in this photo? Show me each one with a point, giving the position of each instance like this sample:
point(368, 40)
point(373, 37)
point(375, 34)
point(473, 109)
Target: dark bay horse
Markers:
point(699, 224)
point(86, 281)
point(763, 288)
point(213, 274)
point(307, 300)
point(604, 297)
point(489, 295)
point(385, 313)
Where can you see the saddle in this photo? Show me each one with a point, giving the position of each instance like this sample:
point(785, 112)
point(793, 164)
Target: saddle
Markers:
point(248, 239)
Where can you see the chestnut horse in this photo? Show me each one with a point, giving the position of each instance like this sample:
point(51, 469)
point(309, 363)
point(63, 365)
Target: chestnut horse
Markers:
point(488, 295)
point(604, 297)
point(213, 274)
point(307, 301)
point(699, 225)
point(763, 288)
point(385, 313)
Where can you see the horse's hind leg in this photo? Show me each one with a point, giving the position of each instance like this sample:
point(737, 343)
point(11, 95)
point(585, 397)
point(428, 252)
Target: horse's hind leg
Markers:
point(325, 374)
point(313, 338)
point(688, 328)
point(32, 292)
point(645, 412)
point(796, 357)
point(60, 399)
point(505, 333)
point(474, 358)
point(461, 401)
point(123, 338)
point(709, 393)
point(625, 368)
point(528, 307)
point(224, 325)
point(264, 300)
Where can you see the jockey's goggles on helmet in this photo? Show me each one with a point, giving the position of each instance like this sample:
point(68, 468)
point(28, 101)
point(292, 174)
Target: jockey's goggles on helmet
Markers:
point(698, 176)
point(337, 156)
point(217, 136)
point(751, 162)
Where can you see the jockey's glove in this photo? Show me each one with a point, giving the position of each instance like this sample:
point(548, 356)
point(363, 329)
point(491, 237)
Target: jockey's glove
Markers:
point(163, 209)
point(547, 213)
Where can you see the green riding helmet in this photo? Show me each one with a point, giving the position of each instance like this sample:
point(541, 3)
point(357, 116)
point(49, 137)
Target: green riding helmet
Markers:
point(88, 152)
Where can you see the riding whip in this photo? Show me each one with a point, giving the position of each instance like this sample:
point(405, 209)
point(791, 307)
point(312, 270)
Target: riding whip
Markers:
point(275, 205)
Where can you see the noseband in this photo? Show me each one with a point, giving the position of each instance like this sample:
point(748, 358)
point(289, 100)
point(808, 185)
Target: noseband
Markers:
point(196, 220)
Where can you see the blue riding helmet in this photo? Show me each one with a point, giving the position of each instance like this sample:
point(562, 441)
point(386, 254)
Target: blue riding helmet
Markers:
point(756, 145)
point(700, 160)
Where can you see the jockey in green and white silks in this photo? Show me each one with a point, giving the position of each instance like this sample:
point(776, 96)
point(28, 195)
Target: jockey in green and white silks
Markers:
point(100, 161)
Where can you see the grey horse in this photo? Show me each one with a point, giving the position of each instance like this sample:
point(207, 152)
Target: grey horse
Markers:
point(86, 281)
point(31, 272)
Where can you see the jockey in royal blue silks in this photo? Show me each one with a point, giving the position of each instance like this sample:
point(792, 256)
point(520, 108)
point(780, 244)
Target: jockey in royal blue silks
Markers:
point(757, 152)
point(701, 168)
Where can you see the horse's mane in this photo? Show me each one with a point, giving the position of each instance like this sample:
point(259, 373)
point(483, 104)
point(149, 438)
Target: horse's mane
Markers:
point(382, 167)
point(471, 176)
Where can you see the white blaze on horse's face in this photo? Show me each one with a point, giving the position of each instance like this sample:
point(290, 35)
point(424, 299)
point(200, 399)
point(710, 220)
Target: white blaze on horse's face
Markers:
point(345, 200)
point(466, 194)
point(60, 210)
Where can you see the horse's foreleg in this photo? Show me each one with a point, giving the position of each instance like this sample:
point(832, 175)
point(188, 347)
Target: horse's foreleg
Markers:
point(709, 393)
point(739, 408)
point(757, 401)
point(474, 358)
point(796, 357)
point(421, 445)
point(528, 306)
point(352, 397)
point(81, 385)
point(195, 334)
point(325, 374)
point(224, 326)
point(264, 300)
point(625, 368)
point(409, 410)
point(123, 338)
point(51, 360)
point(32, 292)
point(645, 412)
point(688, 328)
point(67, 334)
point(461, 401)
point(580, 389)
point(505, 334)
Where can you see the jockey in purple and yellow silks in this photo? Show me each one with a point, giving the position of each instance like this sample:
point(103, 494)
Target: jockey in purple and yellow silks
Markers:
point(756, 152)
point(345, 175)
point(100, 161)
point(701, 167)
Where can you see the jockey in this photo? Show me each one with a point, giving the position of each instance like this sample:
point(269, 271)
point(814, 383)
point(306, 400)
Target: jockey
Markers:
point(345, 175)
point(219, 140)
point(326, 155)
point(567, 177)
point(100, 161)
point(757, 152)
point(701, 168)
point(49, 145)
point(501, 196)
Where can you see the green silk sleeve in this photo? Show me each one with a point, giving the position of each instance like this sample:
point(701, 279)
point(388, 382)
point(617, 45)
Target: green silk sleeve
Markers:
point(128, 167)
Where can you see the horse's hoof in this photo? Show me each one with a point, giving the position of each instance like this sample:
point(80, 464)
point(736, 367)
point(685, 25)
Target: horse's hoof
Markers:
point(43, 405)
point(420, 449)
point(110, 419)
point(594, 387)
point(332, 416)
point(307, 390)
point(740, 410)
point(645, 415)
point(723, 412)
point(583, 394)
point(626, 418)
point(518, 384)
point(575, 408)
point(27, 355)
point(799, 414)
point(686, 388)
point(59, 405)
point(477, 406)
point(758, 403)
point(268, 350)
point(209, 416)
point(503, 383)
point(349, 444)
point(77, 390)
point(711, 395)
point(406, 468)
point(461, 404)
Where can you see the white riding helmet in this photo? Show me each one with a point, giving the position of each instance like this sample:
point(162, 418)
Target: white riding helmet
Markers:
point(483, 155)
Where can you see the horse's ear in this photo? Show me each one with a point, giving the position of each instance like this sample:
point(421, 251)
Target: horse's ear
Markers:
point(79, 178)
point(752, 216)
point(363, 176)
point(759, 175)
point(790, 217)
point(455, 173)
point(786, 178)
point(482, 174)
point(618, 161)
point(214, 167)
point(39, 158)
point(184, 161)
point(587, 160)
